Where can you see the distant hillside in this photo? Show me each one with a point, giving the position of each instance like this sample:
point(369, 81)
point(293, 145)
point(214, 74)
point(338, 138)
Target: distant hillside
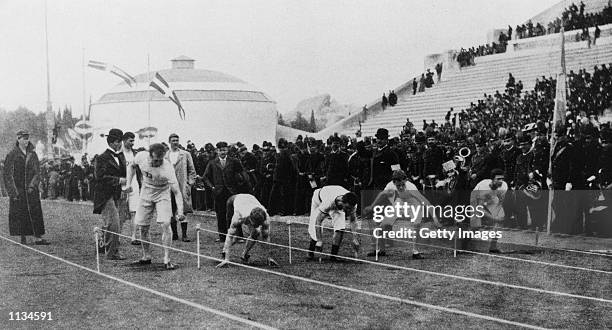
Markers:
point(326, 110)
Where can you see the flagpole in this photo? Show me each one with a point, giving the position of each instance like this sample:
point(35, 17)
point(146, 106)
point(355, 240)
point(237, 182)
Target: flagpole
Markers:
point(49, 115)
point(558, 120)
point(83, 138)
point(149, 101)
point(47, 58)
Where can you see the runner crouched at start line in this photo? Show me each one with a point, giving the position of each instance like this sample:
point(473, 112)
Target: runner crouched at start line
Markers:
point(338, 204)
point(245, 209)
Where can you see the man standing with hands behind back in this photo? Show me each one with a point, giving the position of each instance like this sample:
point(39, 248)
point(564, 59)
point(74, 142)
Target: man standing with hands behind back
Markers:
point(110, 174)
point(221, 175)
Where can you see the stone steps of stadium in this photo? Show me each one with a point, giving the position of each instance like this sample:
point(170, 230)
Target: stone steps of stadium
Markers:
point(490, 74)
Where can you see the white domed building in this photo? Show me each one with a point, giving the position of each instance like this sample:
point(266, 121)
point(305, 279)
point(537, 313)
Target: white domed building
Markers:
point(218, 107)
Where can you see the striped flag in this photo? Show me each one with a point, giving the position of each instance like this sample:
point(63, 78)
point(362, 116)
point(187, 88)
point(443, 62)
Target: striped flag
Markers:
point(161, 85)
point(114, 70)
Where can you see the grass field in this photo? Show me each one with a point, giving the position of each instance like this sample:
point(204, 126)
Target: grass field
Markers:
point(78, 299)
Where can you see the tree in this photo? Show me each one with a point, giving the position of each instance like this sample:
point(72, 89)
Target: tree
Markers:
point(313, 123)
point(300, 123)
point(280, 120)
point(13, 121)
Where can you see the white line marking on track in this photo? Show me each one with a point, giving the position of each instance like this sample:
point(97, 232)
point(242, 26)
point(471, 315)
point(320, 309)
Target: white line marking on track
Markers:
point(161, 294)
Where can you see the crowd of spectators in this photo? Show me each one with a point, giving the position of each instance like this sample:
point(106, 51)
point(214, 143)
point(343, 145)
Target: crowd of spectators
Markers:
point(283, 176)
point(572, 18)
point(425, 81)
point(589, 94)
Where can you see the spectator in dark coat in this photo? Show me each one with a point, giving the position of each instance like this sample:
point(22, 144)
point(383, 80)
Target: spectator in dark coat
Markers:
point(384, 102)
point(336, 166)
point(283, 170)
point(110, 172)
point(384, 161)
point(21, 178)
point(222, 175)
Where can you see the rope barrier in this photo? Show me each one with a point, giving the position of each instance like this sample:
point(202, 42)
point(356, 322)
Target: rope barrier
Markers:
point(466, 251)
point(471, 252)
point(350, 289)
point(501, 284)
point(442, 247)
point(155, 292)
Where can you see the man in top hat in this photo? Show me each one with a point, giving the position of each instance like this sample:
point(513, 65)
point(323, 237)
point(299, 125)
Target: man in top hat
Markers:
point(221, 175)
point(384, 161)
point(110, 173)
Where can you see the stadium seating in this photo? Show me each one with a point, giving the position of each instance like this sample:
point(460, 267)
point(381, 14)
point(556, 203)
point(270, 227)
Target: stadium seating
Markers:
point(489, 74)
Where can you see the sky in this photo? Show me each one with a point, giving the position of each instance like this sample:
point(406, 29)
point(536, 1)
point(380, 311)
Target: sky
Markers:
point(293, 49)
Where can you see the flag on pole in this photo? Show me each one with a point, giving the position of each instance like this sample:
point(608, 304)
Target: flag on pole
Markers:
point(114, 70)
point(560, 96)
point(558, 118)
point(162, 86)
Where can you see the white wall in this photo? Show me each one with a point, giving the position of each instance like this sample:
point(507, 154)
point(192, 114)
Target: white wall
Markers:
point(247, 122)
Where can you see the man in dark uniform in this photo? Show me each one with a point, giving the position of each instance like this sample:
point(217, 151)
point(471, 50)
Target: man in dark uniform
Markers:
point(359, 169)
point(250, 165)
point(483, 162)
point(524, 172)
point(279, 202)
point(509, 154)
point(221, 175)
point(336, 164)
point(563, 173)
point(258, 154)
point(541, 151)
point(384, 161)
point(302, 185)
point(432, 157)
point(415, 172)
point(316, 165)
point(75, 178)
point(268, 162)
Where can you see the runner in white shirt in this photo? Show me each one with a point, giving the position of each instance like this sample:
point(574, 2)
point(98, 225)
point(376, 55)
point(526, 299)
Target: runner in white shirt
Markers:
point(399, 190)
point(338, 204)
point(245, 209)
point(158, 178)
point(490, 193)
